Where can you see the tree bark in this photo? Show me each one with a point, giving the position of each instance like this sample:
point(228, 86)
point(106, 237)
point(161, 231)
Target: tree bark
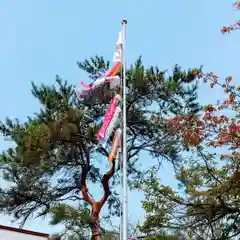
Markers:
point(97, 205)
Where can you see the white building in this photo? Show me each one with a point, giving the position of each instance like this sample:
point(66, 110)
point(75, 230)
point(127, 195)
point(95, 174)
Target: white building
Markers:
point(10, 233)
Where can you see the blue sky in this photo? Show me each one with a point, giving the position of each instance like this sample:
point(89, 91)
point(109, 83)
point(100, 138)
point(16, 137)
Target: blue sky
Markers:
point(40, 39)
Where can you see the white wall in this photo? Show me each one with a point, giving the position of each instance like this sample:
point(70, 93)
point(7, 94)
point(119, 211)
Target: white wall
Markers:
point(9, 235)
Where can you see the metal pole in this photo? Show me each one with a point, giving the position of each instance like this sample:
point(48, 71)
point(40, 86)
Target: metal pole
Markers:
point(121, 200)
point(124, 144)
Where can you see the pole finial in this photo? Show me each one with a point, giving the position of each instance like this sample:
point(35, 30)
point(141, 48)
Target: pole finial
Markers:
point(124, 21)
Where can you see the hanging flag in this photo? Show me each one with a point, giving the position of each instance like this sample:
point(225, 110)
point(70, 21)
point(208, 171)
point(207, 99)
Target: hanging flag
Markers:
point(96, 89)
point(115, 145)
point(114, 70)
point(118, 160)
point(106, 131)
point(111, 119)
point(117, 58)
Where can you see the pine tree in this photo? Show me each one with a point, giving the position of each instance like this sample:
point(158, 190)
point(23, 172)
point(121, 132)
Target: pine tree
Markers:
point(51, 161)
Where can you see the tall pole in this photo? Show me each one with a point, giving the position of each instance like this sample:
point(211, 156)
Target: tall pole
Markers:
point(121, 200)
point(124, 144)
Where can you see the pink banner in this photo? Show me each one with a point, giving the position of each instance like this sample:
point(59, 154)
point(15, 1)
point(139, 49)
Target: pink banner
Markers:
point(109, 119)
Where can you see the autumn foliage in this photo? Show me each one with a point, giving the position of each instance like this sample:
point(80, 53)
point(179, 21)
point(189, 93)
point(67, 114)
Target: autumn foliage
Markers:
point(216, 126)
point(209, 207)
point(236, 25)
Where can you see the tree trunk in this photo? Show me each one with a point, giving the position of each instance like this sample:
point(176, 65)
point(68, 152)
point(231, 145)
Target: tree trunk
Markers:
point(96, 234)
point(97, 205)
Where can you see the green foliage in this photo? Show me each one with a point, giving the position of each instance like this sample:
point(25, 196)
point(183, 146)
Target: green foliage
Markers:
point(206, 205)
point(64, 213)
point(163, 238)
point(52, 147)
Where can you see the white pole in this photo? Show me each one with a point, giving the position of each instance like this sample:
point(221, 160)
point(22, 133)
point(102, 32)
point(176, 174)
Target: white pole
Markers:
point(124, 144)
point(121, 200)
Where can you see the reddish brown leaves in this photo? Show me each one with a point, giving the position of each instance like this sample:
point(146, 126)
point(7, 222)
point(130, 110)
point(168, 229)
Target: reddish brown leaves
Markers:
point(235, 26)
point(213, 128)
